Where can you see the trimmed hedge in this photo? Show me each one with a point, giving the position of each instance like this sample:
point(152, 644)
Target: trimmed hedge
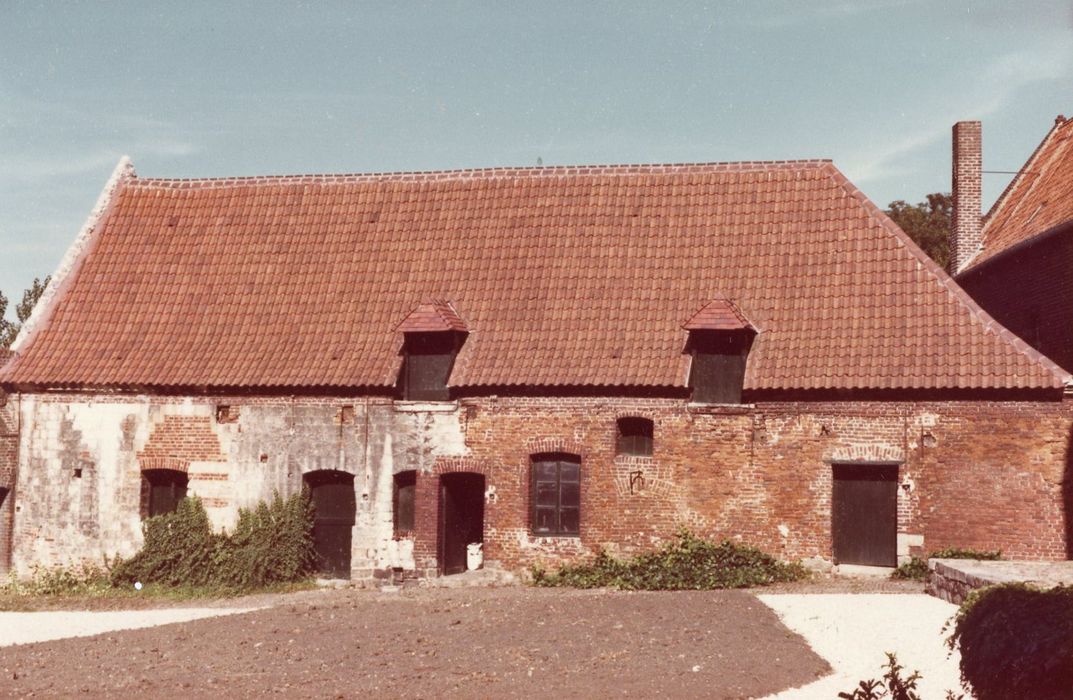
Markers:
point(686, 563)
point(1016, 641)
point(272, 543)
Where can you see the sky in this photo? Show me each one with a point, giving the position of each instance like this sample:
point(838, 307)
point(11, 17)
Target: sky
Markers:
point(245, 88)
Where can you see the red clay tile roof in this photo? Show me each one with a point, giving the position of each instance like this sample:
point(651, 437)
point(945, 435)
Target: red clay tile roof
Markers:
point(1038, 198)
point(720, 314)
point(430, 317)
point(566, 276)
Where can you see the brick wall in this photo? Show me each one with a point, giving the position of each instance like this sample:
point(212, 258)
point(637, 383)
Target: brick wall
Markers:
point(1030, 291)
point(980, 474)
point(972, 473)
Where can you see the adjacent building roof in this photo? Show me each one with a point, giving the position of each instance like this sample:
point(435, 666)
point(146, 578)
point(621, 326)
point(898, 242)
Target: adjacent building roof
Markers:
point(565, 276)
point(1039, 198)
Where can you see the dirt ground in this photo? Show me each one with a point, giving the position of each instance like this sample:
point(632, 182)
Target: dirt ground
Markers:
point(477, 642)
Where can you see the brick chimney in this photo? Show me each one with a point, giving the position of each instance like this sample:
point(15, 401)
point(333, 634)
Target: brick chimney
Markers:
point(966, 226)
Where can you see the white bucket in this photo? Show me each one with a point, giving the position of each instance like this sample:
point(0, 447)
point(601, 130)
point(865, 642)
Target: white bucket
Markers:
point(474, 556)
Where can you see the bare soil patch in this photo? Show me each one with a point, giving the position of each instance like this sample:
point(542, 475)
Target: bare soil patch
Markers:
point(505, 642)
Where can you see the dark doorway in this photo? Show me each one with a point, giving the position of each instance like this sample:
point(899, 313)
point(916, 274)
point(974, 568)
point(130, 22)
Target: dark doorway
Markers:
point(864, 518)
point(162, 489)
point(334, 506)
point(461, 518)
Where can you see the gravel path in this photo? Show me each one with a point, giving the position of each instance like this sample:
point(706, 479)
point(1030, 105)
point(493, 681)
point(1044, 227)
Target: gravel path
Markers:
point(29, 627)
point(853, 632)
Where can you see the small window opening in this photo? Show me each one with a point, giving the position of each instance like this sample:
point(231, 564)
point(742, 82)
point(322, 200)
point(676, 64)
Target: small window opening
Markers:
point(403, 502)
point(555, 493)
point(345, 415)
point(635, 436)
point(78, 472)
point(718, 370)
point(226, 413)
point(162, 489)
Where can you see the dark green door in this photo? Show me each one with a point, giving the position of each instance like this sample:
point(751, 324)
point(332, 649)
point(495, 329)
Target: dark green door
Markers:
point(334, 508)
point(864, 503)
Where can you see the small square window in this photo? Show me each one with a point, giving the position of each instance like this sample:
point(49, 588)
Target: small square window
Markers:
point(345, 415)
point(226, 413)
point(635, 436)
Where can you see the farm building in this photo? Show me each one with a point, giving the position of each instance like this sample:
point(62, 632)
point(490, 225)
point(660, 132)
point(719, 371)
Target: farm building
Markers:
point(1024, 243)
point(545, 360)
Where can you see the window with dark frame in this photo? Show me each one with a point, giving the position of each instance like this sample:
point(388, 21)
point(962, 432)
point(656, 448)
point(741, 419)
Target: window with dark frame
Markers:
point(635, 437)
point(555, 494)
point(718, 369)
point(427, 362)
point(403, 502)
point(162, 489)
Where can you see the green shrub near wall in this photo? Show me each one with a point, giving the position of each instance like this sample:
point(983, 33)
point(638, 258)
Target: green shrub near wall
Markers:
point(273, 543)
point(1016, 641)
point(686, 563)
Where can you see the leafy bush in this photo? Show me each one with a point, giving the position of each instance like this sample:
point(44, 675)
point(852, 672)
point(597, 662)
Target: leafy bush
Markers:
point(686, 563)
point(272, 543)
point(893, 685)
point(179, 549)
point(1016, 641)
point(916, 569)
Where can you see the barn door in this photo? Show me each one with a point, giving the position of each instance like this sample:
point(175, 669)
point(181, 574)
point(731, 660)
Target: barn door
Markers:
point(864, 518)
point(461, 518)
point(334, 507)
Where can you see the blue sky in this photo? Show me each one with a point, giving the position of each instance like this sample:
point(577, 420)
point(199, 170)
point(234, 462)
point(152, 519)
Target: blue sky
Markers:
point(254, 88)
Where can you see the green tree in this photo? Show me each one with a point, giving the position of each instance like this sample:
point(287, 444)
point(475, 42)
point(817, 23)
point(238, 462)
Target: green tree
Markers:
point(10, 329)
point(7, 328)
point(927, 223)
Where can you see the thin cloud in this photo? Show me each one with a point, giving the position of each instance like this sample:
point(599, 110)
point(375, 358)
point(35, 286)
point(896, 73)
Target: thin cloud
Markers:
point(999, 83)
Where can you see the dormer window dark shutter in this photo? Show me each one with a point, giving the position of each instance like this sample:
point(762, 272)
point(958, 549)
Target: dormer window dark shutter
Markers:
point(720, 338)
point(433, 335)
point(426, 365)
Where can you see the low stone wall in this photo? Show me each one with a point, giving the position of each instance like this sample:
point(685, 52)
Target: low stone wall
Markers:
point(953, 579)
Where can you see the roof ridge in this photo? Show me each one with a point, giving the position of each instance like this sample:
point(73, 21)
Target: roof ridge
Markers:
point(485, 173)
point(943, 278)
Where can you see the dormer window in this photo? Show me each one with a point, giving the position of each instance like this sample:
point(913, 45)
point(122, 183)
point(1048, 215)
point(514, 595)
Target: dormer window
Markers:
point(720, 337)
point(433, 335)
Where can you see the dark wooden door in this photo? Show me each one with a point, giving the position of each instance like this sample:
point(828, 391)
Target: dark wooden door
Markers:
point(461, 518)
point(334, 507)
point(865, 514)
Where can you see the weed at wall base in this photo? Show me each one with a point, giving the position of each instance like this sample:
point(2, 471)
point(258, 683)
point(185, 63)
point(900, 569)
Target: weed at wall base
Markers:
point(686, 563)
